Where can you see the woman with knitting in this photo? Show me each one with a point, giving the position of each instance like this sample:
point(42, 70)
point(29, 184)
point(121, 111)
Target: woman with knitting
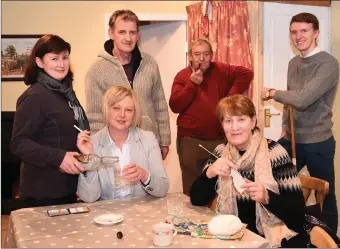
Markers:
point(43, 134)
point(272, 203)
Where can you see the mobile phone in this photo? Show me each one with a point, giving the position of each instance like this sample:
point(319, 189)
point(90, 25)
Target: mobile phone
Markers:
point(66, 211)
point(58, 212)
point(78, 210)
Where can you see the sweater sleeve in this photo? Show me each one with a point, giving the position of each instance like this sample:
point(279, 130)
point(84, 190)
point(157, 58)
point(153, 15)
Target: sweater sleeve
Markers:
point(203, 190)
point(161, 108)
point(94, 94)
point(326, 77)
point(240, 77)
point(182, 93)
point(288, 205)
point(29, 117)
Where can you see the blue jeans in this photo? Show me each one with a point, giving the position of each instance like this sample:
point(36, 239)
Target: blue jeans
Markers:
point(319, 158)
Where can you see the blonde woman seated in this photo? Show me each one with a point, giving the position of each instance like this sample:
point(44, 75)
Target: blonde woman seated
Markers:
point(138, 151)
point(272, 204)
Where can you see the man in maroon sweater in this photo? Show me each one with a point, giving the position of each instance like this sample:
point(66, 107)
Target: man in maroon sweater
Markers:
point(195, 93)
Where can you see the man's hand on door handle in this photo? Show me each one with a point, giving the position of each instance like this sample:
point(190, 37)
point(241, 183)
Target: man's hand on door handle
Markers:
point(267, 93)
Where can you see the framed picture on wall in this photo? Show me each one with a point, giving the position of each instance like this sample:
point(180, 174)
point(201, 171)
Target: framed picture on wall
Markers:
point(15, 50)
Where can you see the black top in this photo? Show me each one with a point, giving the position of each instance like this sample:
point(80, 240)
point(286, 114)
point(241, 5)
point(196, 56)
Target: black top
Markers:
point(42, 134)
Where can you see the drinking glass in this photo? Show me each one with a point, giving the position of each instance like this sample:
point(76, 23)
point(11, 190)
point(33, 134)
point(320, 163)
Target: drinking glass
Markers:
point(175, 205)
point(120, 181)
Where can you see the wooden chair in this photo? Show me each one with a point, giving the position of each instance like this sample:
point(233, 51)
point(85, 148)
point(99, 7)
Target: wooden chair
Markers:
point(321, 239)
point(212, 204)
point(321, 188)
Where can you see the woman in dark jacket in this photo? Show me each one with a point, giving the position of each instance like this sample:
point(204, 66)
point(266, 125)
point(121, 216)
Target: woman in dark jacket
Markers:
point(43, 134)
point(270, 200)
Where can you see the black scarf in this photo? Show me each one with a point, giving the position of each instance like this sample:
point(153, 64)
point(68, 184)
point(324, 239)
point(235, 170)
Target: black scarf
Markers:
point(65, 88)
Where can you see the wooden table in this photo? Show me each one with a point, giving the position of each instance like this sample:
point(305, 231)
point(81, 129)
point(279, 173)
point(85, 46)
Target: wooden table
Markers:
point(32, 227)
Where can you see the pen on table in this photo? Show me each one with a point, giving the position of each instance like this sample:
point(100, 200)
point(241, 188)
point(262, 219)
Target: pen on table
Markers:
point(200, 145)
point(77, 128)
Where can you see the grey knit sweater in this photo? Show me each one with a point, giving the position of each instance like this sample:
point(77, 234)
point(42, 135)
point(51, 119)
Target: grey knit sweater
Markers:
point(107, 71)
point(312, 84)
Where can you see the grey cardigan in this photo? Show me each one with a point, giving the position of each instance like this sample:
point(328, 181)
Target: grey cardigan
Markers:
point(145, 152)
point(107, 71)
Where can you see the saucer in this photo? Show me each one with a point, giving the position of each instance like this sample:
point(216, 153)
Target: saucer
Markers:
point(108, 219)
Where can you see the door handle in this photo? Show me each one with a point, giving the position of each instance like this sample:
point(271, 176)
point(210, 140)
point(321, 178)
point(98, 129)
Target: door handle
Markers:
point(267, 116)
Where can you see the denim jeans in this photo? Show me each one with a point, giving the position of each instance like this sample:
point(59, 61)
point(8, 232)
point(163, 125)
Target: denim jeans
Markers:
point(319, 158)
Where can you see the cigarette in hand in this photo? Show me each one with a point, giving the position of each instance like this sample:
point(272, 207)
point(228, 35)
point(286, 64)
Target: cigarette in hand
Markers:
point(77, 128)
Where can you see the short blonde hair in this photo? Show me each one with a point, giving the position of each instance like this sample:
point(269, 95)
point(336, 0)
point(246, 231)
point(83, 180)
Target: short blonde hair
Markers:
point(199, 42)
point(116, 94)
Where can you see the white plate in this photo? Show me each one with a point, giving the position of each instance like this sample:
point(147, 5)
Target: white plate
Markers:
point(108, 219)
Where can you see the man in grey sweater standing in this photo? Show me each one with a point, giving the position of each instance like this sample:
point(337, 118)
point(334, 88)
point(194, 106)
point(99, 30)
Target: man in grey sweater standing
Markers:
point(121, 63)
point(313, 77)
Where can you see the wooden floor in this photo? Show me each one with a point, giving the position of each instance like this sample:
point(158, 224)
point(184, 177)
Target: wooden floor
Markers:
point(4, 225)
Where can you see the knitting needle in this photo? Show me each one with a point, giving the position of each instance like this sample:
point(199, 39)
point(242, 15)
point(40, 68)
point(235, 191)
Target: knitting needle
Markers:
point(77, 128)
point(200, 145)
point(232, 170)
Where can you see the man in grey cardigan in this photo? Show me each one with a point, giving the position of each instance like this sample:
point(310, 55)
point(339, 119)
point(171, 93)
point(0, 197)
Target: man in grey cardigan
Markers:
point(123, 64)
point(313, 77)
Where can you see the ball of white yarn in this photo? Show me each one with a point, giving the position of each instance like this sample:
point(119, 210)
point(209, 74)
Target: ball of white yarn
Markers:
point(225, 225)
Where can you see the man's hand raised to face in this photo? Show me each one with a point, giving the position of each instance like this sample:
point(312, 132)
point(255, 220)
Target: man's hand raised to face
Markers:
point(197, 77)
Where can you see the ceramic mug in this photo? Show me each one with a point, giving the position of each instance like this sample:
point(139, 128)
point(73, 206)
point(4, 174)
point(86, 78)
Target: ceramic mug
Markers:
point(163, 234)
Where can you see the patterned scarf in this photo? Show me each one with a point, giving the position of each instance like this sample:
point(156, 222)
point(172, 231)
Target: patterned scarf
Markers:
point(65, 88)
point(257, 158)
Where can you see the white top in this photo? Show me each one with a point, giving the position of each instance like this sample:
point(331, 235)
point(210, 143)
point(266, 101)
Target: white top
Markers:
point(124, 159)
point(315, 51)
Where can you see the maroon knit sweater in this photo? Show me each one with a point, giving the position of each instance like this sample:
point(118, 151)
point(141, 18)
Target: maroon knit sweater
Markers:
point(196, 104)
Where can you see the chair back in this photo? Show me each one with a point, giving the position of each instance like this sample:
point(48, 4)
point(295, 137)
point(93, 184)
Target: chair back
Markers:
point(321, 188)
point(212, 204)
point(321, 239)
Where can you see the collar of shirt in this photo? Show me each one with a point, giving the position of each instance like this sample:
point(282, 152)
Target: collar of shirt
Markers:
point(113, 142)
point(315, 51)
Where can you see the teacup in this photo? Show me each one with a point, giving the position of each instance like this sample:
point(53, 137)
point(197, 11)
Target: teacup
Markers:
point(163, 234)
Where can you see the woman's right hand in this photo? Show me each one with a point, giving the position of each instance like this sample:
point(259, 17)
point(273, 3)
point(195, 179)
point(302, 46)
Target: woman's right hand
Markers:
point(84, 142)
point(220, 167)
point(70, 164)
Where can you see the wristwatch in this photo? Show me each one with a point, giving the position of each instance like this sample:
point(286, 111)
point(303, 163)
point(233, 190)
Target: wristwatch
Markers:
point(268, 93)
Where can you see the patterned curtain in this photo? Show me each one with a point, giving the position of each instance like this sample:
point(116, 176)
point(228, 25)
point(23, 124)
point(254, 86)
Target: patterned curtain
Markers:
point(227, 29)
point(197, 22)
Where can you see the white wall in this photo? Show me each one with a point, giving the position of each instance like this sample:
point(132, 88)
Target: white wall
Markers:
point(166, 43)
